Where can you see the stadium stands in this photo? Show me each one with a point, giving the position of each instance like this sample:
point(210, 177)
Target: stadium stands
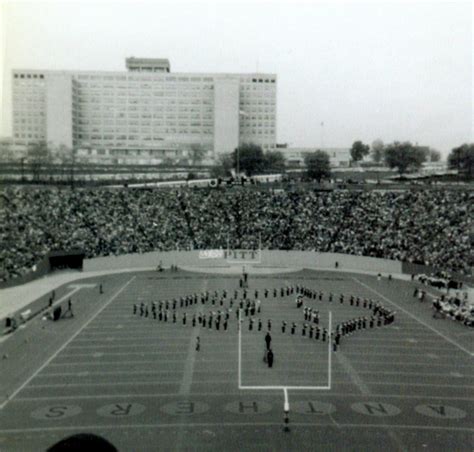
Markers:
point(429, 227)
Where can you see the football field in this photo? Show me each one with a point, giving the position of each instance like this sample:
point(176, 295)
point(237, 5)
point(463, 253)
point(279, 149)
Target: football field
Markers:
point(141, 383)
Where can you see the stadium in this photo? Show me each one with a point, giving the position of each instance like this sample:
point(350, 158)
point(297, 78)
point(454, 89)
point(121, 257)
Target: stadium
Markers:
point(145, 316)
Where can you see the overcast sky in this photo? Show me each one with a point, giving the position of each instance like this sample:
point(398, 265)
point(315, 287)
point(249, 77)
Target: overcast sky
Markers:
point(395, 71)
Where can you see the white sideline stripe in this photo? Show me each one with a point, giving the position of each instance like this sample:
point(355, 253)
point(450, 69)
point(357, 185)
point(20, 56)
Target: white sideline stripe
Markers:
point(10, 397)
point(230, 424)
point(465, 350)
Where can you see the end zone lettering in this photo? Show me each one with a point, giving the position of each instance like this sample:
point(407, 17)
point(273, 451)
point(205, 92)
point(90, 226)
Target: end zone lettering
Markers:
point(211, 254)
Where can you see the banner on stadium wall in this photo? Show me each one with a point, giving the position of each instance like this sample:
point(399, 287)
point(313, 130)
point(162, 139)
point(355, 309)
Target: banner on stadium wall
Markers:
point(243, 256)
point(211, 254)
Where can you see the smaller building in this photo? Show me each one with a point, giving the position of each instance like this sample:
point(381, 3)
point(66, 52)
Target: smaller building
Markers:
point(338, 157)
point(147, 64)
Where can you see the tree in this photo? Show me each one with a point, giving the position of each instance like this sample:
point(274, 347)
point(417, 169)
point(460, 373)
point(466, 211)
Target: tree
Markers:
point(248, 159)
point(274, 161)
point(223, 166)
point(38, 155)
point(359, 150)
point(317, 165)
point(167, 161)
point(377, 150)
point(435, 156)
point(198, 152)
point(462, 159)
point(404, 156)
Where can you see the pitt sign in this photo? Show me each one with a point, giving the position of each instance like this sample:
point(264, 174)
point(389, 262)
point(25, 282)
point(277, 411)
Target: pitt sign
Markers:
point(233, 256)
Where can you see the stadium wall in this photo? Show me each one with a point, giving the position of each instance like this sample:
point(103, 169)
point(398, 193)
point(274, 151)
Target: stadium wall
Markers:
point(268, 258)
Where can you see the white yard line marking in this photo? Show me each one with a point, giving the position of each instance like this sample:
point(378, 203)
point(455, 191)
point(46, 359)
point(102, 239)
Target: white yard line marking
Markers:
point(188, 371)
point(352, 373)
point(10, 397)
point(168, 394)
point(460, 347)
point(230, 371)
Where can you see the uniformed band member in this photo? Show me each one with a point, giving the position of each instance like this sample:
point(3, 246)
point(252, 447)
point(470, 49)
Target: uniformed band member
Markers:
point(269, 324)
point(198, 343)
point(69, 309)
point(293, 328)
point(283, 326)
point(270, 358)
point(259, 324)
point(268, 340)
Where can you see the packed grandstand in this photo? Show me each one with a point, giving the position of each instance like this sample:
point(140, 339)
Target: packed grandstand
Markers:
point(429, 227)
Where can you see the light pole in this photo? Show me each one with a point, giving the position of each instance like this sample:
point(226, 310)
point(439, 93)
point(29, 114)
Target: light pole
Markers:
point(22, 161)
point(322, 135)
point(237, 155)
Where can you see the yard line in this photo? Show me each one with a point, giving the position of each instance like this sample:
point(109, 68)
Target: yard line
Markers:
point(85, 374)
point(110, 383)
point(460, 347)
point(187, 378)
point(3, 404)
point(237, 394)
point(131, 362)
point(352, 373)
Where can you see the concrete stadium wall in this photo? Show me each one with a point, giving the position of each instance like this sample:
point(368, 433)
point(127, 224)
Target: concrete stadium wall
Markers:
point(276, 258)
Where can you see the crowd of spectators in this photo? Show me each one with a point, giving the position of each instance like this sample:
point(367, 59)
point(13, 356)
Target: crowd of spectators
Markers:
point(429, 227)
point(455, 308)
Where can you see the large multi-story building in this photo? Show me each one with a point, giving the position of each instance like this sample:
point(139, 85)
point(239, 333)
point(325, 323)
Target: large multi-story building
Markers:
point(147, 111)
